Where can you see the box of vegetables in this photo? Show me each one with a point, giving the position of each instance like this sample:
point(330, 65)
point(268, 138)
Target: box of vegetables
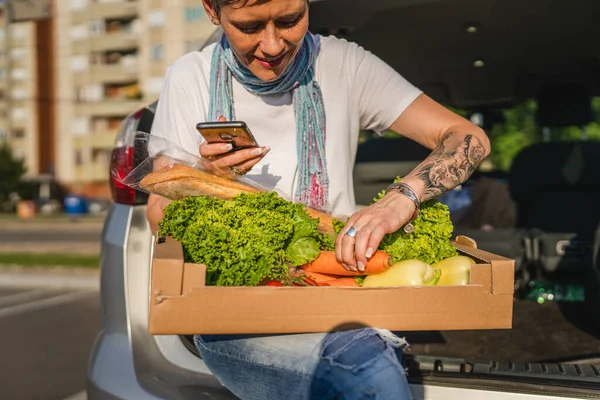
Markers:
point(233, 259)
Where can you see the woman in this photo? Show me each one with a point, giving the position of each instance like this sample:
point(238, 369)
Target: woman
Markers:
point(305, 98)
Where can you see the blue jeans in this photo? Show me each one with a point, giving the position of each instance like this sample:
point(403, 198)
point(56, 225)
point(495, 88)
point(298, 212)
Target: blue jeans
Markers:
point(347, 365)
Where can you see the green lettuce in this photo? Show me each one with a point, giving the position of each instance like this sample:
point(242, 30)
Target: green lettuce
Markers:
point(429, 242)
point(245, 240)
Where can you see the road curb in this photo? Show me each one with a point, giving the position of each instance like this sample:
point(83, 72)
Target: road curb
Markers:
point(56, 277)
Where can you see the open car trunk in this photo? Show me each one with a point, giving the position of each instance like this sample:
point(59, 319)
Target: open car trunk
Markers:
point(479, 54)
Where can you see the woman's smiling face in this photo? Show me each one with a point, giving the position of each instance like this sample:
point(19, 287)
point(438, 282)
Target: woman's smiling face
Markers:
point(265, 35)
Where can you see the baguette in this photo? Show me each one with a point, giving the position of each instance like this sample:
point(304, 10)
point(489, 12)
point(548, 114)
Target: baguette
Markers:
point(179, 181)
point(197, 182)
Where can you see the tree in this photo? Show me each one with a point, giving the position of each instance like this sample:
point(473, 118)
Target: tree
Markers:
point(517, 132)
point(11, 172)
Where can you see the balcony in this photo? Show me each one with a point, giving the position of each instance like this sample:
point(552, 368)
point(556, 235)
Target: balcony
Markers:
point(111, 41)
point(122, 9)
point(108, 108)
point(111, 73)
point(122, 40)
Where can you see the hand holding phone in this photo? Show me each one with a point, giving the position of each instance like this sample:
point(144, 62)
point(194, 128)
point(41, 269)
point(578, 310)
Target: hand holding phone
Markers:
point(230, 144)
point(236, 133)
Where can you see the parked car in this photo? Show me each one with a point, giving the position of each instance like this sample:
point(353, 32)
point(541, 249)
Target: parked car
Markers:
point(130, 364)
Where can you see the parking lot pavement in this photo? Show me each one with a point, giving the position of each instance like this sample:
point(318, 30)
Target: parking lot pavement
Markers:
point(46, 336)
point(49, 236)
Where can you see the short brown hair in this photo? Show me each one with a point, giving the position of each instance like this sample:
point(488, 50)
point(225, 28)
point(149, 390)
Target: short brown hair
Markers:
point(219, 4)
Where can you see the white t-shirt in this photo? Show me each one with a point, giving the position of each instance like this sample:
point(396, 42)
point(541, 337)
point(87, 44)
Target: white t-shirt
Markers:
point(360, 92)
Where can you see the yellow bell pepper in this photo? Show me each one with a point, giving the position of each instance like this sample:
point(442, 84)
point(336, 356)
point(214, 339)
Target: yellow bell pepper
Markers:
point(404, 273)
point(456, 271)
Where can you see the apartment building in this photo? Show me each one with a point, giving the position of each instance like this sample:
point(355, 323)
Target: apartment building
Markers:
point(18, 91)
point(111, 59)
point(3, 75)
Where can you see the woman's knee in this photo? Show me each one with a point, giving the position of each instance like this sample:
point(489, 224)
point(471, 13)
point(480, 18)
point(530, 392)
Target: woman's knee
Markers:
point(361, 364)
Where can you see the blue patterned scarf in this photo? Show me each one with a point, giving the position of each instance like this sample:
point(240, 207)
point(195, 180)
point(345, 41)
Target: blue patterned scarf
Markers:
point(313, 182)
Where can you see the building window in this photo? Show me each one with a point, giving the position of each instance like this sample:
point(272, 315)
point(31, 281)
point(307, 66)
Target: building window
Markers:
point(19, 93)
point(79, 63)
point(156, 18)
point(18, 114)
point(18, 134)
point(77, 5)
point(18, 54)
point(19, 74)
point(79, 32)
point(97, 27)
point(89, 93)
point(194, 13)
point(157, 52)
point(78, 157)
point(80, 126)
point(18, 31)
point(101, 156)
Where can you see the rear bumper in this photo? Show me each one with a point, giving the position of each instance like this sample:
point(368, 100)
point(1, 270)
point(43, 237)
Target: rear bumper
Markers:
point(111, 374)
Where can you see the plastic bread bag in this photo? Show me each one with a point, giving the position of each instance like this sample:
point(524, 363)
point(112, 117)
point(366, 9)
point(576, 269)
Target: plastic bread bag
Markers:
point(164, 168)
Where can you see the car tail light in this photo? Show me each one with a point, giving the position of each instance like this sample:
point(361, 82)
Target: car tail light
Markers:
point(121, 165)
point(123, 162)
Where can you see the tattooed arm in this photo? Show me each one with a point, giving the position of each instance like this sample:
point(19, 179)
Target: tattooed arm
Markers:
point(458, 148)
point(458, 145)
point(451, 163)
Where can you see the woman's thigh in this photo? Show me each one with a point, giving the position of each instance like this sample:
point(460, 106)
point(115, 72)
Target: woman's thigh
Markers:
point(348, 365)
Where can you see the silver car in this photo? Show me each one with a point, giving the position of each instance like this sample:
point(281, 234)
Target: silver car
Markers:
point(127, 363)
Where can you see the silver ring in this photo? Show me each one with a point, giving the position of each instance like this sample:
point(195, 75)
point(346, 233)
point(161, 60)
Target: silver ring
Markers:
point(237, 171)
point(352, 231)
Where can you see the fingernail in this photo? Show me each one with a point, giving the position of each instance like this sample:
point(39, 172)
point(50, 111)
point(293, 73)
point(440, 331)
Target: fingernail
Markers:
point(361, 266)
point(227, 147)
point(369, 253)
point(345, 266)
point(266, 149)
point(257, 152)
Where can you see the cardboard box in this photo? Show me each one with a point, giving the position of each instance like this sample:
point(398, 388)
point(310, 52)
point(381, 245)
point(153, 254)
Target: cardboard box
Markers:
point(181, 304)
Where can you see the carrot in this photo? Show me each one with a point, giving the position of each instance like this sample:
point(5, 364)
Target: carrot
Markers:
point(350, 282)
point(317, 277)
point(326, 263)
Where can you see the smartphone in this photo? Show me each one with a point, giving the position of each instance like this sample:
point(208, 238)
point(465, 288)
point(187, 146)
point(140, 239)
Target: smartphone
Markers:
point(235, 132)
